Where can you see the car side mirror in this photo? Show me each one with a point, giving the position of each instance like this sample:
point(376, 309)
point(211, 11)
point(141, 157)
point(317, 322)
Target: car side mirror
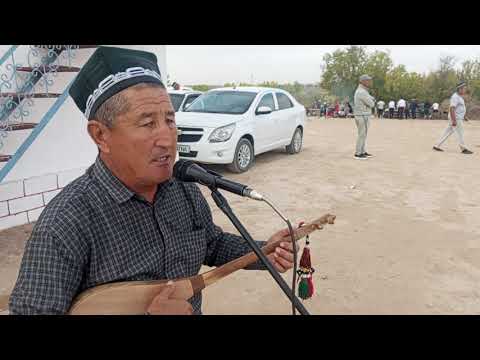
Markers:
point(263, 110)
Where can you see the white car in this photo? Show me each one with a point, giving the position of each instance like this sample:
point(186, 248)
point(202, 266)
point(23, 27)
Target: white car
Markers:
point(181, 99)
point(232, 125)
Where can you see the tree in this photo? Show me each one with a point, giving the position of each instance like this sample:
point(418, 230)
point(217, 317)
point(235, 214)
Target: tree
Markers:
point(399, 83)
point(201, 87)
point(444, 79)
point(341, 70)
point(470, 72)
point(378, 65)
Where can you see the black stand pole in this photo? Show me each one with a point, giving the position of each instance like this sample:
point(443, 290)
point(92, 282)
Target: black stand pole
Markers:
point(223, 205)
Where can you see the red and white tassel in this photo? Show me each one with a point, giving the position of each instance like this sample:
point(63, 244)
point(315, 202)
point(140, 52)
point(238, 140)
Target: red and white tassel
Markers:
point(305, 287)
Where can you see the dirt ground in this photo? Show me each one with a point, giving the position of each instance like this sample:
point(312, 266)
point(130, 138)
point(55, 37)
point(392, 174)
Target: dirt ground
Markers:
point(407, 235)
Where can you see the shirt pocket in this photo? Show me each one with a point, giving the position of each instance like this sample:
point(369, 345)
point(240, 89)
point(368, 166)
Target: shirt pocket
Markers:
point(191, 249)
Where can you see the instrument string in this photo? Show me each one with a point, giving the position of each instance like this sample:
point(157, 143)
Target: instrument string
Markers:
point(294, 245)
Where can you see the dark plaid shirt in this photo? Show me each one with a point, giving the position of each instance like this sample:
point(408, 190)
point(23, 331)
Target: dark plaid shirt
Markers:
point(97, 231)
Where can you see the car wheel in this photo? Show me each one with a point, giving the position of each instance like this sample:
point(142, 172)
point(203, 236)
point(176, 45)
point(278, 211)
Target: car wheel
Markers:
point(297, 141)
point(243, 158)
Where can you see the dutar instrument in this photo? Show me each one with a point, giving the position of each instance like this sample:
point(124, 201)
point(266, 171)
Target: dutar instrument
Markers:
point(134, 297)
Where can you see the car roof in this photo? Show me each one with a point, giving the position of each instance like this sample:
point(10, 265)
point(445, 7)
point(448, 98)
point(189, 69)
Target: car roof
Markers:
point(255, 89)
point(184, 92)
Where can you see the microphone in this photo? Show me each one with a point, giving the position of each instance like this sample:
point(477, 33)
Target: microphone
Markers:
point(188, 171)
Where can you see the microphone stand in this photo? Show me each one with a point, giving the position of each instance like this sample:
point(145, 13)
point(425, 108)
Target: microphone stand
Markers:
point(223, 205)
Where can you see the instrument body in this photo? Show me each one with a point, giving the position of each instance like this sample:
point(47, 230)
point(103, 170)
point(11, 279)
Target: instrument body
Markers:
point(134, 297)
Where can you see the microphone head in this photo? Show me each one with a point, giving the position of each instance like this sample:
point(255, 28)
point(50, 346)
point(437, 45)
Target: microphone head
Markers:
point(180, 170)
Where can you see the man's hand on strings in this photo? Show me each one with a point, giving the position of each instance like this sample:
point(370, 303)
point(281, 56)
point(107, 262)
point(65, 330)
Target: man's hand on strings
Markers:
point(282, 257)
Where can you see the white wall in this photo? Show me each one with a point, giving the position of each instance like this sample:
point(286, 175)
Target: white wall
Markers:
point(63, 144)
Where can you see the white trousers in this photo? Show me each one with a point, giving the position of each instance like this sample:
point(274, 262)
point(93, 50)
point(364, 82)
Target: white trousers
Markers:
point(363, 123)
point(458, 130)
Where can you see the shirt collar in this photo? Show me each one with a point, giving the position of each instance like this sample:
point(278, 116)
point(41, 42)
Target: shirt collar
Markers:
point(117, 190)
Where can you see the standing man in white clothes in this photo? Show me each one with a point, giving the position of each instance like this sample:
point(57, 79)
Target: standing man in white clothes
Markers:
point(363, 106)
point(456, 115)
point(391, 108)
point(380, 108)
point(401, 108)
point(435, 108)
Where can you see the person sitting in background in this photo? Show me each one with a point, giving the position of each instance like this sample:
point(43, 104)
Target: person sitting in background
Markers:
point(347, 108)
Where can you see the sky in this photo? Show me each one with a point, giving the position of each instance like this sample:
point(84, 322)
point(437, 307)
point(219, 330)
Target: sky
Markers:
point(219, 64)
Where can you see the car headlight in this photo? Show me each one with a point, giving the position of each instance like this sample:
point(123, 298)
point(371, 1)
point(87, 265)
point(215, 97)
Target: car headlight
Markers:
point(222, 134)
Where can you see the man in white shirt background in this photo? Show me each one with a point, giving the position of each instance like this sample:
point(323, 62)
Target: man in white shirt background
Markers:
point(391, 108)
point(456, 115)
point(380, 109)
point(401, 108)
point(435, 108)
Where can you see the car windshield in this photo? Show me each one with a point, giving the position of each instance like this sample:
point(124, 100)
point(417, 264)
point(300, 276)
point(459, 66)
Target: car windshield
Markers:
point(223, 102)
point(176, 100)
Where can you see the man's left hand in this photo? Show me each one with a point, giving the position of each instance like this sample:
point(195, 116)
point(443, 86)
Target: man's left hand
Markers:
point(282, 257)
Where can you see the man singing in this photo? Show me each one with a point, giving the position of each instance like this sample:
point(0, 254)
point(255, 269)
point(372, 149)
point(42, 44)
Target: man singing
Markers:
point(126, 218)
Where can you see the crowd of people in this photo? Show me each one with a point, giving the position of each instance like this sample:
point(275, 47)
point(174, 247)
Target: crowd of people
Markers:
point(337, 109)
point(365, 104)
point(403, 109)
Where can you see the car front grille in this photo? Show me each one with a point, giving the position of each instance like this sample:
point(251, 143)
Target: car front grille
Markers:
point(190, 135)
point(191, 154)
point(187, 138)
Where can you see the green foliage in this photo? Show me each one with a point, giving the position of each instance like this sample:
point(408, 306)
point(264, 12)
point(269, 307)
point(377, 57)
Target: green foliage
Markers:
point(201, 87)
point(342, 68)
point(305, 94)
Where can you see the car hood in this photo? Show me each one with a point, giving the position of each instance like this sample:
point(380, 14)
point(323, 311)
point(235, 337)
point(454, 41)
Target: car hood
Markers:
point(206, 120)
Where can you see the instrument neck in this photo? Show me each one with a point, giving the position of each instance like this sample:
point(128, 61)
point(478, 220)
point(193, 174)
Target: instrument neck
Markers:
point(220, 272)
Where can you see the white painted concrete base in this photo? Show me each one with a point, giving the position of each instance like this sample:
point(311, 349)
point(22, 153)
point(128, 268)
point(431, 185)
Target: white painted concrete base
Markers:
point(22, 201)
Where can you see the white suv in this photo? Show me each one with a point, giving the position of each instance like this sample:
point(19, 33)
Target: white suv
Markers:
point(232, 125)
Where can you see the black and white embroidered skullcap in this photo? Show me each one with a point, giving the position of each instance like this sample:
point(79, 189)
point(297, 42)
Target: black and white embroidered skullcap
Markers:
point(461, 84)
point(109, 71)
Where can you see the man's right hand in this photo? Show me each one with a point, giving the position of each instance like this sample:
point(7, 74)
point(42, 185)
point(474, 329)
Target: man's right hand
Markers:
point(454, 123)
point(163, 305)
